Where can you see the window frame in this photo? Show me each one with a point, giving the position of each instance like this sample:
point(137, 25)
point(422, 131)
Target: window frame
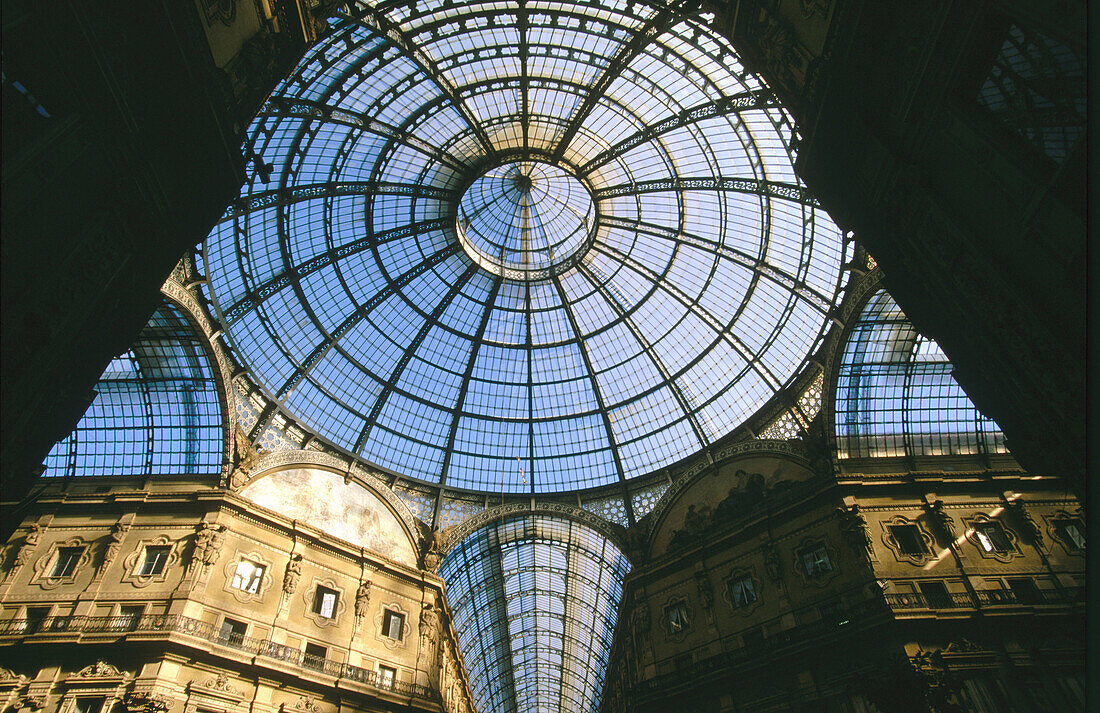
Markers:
point(388, 617)
point(256, 577)
point(76, 553)
point(160, 563)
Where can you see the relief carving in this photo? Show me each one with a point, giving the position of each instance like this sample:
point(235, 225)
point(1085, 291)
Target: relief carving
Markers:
point(362, 599)
point(208, 543)
point(114, 544)
point(292, 574)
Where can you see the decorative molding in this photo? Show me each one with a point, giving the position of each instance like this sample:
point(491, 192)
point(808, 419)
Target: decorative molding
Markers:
point(380, 618)
point(341, 603)
point(134, 561)
point(687, 622)
point(266, 580)
point(888, 539)
point(821, 580)
point(1004, 556)
point(220, 683)
point(737, 574)
point(100, 669)
point(44, 563)
point(615, 533)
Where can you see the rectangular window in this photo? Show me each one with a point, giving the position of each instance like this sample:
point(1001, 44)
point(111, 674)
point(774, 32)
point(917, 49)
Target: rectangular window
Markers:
point(67, 560)
point(816, 561)
point(232, 632)
point(324, 602)
point(88, 705)
point(677, 618)
point(393, 624)
point(1025, 590)
point(935, 594)
point(992, 537)
point(248, 576)
point(1071, 532)
point(129, 617)
point(314, 656)
point(742, 592)
point(386, 676)
point(35, 616)
point(909, 540)
point(155, 559)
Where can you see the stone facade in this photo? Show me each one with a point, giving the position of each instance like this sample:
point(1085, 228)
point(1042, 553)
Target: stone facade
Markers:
point(177, 598)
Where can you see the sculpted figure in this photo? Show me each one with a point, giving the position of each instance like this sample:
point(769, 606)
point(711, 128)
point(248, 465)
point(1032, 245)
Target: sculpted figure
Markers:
point(362, 599)
point(293, 574)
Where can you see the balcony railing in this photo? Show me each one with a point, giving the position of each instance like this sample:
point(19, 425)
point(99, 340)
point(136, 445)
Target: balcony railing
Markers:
point(179, 624)
point(985, 598)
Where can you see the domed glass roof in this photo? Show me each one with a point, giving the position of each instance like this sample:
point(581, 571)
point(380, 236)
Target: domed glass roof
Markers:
point(523, 247)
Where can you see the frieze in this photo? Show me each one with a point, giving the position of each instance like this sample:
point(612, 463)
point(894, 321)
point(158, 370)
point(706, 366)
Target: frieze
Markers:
point(99, 669)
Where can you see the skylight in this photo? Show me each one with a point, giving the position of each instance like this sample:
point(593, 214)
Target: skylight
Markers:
point(523, 248)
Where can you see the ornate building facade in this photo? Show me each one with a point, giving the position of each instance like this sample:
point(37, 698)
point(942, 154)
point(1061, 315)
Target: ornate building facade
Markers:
point(539, 361)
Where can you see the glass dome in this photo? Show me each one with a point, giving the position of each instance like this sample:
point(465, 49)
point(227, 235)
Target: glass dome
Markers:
point(524, 247)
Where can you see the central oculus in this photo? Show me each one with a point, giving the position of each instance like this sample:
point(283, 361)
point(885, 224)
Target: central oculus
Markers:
point(526, 220)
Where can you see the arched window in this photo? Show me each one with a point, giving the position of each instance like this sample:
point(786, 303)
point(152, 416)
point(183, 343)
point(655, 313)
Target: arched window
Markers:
point(895, 394)
point(156, 411)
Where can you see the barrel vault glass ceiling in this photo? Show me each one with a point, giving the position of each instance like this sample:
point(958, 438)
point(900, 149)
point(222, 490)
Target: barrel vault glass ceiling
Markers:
point(522, 247)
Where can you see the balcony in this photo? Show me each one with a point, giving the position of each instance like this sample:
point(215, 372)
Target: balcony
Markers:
point(986, 598)
point(207, 632)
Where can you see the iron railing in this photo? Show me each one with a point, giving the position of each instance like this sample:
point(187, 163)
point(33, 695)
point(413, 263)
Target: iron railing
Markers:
point(179, 624)
point(985, 598)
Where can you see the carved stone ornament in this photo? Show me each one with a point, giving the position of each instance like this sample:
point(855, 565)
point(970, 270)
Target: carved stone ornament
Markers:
point(772, 564)
point(293, 574)
point(247, 456)
point(6, 674)
point(220, 683)
point(30, 542)
point(146, 702)
point(308, 704)
point(99, 669)
point(114, 544)
point(705, 588)
point(939, 517)
point(432, 556)
point(362, 599)
point(34, 703)
point(208, 543)
point(853, 527)
point(963, 645)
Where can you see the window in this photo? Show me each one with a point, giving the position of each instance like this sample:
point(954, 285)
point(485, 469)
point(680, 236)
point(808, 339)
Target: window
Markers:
point(742, 592)
point(393, 624)
point(314, 656)
point(753, 639)
point(67, 560)
point(992, 537)
point(909, 539)
point(232, 632)
point(324, 602)
point(35, 616)
point(677, 618)
point(1071, 532)
point(88, 705)
point(386, 676)
point(816, 561)
point(248, 576)
point(129, 617)
point(1025, 590)
point(935, 593)
point(155, 559)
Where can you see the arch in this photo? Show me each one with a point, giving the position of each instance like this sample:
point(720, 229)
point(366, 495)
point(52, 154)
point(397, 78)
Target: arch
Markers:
point(893, 394)
point(611, 531)
point(360, 510)
point(535, 600)
point(159, 410)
